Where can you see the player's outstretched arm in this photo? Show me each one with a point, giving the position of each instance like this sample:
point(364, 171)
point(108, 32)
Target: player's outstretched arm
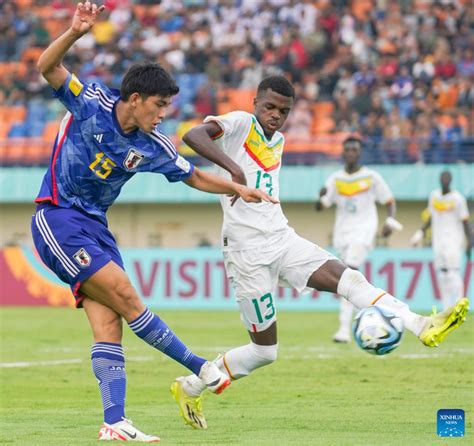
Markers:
point(50, 61)
point(215, 184)
point(200, 140)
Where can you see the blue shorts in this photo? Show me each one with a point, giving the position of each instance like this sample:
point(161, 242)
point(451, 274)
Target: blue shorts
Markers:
point(73, 244)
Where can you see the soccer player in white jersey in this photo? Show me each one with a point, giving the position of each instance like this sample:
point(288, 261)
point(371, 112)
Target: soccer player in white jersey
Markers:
point(451, 236)
point(261, 251)
point(354, 191)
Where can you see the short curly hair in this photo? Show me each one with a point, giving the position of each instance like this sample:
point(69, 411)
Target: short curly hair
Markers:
point(278, 84)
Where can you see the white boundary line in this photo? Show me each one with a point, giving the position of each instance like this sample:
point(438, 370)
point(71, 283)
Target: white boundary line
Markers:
point(24, 364)
point(290, 353)
point(39, 363)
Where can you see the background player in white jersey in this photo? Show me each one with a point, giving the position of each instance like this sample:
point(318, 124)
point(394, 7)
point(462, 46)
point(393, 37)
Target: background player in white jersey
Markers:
point(451, 236)
point(261, 251)
point(354, 191)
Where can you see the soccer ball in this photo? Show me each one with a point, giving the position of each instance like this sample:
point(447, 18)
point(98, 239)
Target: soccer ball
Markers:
point(377, 330)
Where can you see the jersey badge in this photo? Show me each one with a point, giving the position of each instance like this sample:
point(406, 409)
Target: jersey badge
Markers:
point(133, 159)
point(83, 258)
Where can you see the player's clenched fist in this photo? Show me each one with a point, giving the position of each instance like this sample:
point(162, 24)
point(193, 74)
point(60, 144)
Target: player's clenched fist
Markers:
point(84, 17)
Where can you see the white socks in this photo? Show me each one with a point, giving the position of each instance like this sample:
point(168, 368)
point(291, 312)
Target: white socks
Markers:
point(240, 361)
point(355, 288)
point(451, 287)
point(236, 363)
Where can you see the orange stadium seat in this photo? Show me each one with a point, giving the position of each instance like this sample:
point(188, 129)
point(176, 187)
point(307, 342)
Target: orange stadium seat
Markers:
point(55, 26)
point(14, 151)
point(464, 122)
point(323, 124)
point(43, 12)
point(242, 99)
point(36, 151)
point(140, 11)
point(17, 68)
point(448, 98)
point(445, 121)
point(4, 129)
point(50, 131)
point(31, 54)
point(15, 113)
point(324, 108)
point(331, 144)
point(223, 104)
point(3, 112)
point(362, 8)
point(224, 107)
point(24, 4)
point(298, 146)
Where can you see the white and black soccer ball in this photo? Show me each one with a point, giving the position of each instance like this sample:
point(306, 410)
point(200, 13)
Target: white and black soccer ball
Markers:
point(377, 330)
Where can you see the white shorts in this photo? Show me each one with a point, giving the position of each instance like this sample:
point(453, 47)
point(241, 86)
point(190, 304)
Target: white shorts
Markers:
point(255, 275)
point(353, 255)
point(447, 258)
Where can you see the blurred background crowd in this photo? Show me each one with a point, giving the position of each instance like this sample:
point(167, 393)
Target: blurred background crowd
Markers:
point(400, 74)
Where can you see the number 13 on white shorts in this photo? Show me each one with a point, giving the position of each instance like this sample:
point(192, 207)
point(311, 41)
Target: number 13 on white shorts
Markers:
point(258, 313)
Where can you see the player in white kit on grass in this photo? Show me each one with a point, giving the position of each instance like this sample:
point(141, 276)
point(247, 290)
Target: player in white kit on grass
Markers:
point(451, 237)
point(261, 251)
point(355, 190)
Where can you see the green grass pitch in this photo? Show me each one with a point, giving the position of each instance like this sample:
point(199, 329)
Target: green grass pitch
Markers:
point(317, 393)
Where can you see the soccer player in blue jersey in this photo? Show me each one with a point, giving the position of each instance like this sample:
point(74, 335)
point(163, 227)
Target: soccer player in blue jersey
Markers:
point(106, 137)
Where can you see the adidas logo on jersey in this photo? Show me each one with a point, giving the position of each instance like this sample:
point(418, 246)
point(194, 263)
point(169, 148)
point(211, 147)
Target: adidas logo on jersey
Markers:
point(99, 137)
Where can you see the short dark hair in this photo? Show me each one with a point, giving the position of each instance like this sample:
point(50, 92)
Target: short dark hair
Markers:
point(278, 84)
point(352, 138)
point(147, 79)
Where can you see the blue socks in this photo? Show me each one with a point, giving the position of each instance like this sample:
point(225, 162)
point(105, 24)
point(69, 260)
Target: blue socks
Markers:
point(108, 364)
point(155, 332)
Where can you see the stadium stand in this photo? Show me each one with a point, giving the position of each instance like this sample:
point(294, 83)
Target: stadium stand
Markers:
point(400, 74)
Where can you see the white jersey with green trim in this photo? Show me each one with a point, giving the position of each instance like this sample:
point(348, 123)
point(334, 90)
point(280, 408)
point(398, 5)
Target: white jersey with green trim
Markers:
point(448, 211)
point(248, 225)
point(355, 196)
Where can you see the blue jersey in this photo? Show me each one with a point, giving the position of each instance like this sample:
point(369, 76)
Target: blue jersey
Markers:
point(93, 158)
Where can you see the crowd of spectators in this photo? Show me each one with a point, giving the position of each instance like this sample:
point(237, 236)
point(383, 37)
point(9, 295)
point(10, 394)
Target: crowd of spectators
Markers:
point(400, 74)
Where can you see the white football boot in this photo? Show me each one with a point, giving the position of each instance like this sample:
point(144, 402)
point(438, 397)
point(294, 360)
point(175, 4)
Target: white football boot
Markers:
point(215, 380)
point(125, 431)
point(342, 336)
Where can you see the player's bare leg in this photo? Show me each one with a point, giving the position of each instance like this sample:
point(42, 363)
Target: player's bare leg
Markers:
point(106, 323)
point(110, 286)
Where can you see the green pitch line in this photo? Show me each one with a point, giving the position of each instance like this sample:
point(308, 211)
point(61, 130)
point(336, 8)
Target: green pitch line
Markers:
point(317, 393)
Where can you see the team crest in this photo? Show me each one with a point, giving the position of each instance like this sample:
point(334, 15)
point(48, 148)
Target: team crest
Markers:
point(134, 158)
point(82, 258)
